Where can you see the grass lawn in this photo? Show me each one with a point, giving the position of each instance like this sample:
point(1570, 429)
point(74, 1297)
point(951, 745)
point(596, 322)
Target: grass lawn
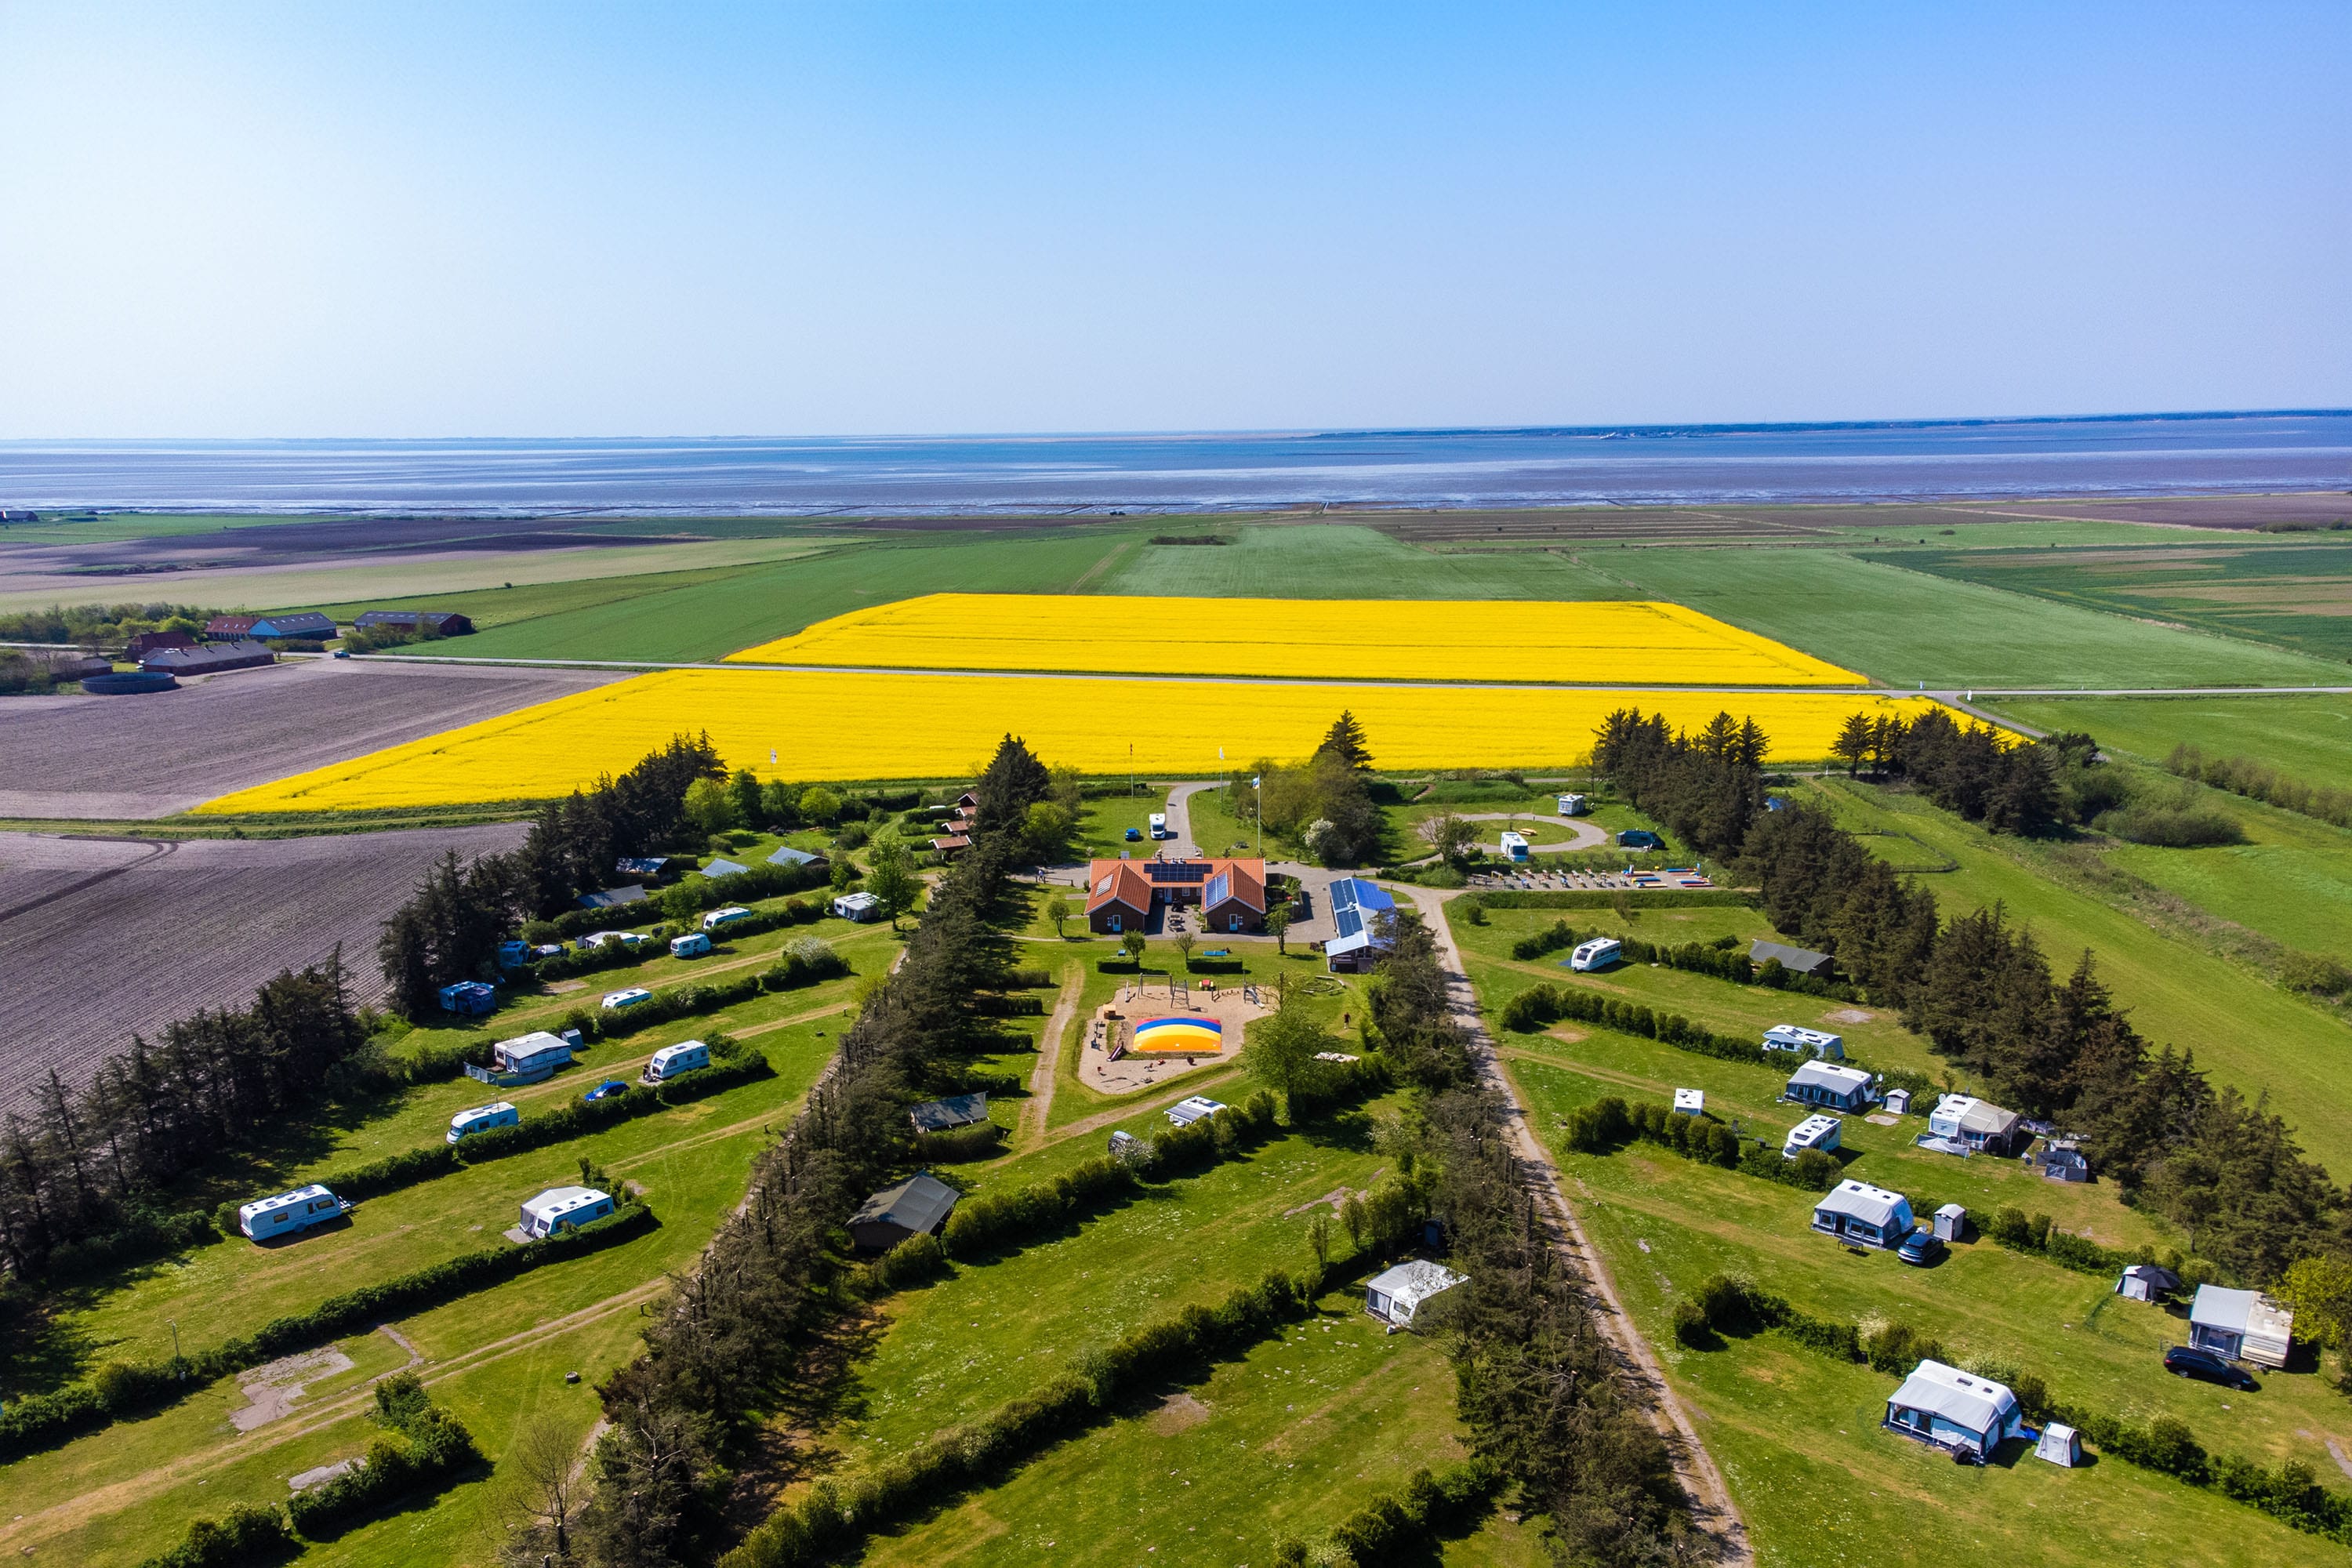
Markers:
point(2245, 1030)
point(1797, 1433)
point(1287, 1439)
point(495, 1357)
point(1104, 822)
point(2305, 738)
point(1903, 627)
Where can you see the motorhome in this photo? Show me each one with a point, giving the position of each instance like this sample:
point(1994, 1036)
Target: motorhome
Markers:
point(1515, 848)
point(1160, 825)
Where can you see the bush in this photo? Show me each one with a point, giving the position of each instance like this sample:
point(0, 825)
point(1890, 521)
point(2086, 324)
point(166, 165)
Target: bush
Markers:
point(917, 1260)
point(1691, 1325)
point(251, 1534)
point(806, 962)
point(422, 1446)
point(2172, 827)
point(1553, 938)
point(1388, 1529)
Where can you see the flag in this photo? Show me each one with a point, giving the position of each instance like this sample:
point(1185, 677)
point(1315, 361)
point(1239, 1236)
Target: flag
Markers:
point(1221, 753)
point(1254, 786)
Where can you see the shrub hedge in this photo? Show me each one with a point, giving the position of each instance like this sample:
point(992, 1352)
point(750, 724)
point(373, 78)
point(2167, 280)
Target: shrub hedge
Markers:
point(251, 1534)
point(1395, 1527)
point(1533, 1009)
point(422, 1446)
point(835, 1515)
point(124, 1388)
point(1661, 899)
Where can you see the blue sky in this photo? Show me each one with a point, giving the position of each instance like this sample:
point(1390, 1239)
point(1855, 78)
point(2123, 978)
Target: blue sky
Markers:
point(712, 220)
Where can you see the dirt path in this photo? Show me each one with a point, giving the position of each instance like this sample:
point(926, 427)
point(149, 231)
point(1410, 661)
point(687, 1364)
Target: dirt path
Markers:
point(1712, 1508)
point(1041, 1078)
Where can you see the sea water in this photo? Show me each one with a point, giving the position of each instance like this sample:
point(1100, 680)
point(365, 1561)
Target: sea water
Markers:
point(1646, 464)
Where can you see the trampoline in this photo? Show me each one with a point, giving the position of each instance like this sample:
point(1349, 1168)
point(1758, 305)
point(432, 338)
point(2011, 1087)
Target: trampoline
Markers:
point(1178, 1036)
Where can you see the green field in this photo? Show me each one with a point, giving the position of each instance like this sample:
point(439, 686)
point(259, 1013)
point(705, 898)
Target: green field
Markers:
point(2295, 594)
point(1333, 561)
point(2305, 738)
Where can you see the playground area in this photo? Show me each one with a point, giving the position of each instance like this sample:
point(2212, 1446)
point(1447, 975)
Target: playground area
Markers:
point(1159, 1026)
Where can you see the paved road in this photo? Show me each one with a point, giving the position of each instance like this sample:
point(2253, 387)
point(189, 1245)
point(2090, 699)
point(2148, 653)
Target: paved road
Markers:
point(1713, 1510)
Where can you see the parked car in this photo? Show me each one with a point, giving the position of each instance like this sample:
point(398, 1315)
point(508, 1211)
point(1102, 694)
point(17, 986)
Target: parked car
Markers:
point(2188, 1361)
point(342, 653)
point(1921, 1247)
point(611, 1088)
point(548, 949)
point(1135, 836)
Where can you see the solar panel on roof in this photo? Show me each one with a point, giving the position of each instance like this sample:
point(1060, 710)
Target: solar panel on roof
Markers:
point(1219, 888)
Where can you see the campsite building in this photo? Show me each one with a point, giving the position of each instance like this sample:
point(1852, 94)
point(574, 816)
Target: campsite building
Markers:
point(1364, 913)
point(444, 623)
point(1229, 894)
point(916, 1206)
point(1394, 1297)
point(2243, 1325)
point(1795, 960)
point(1830, 1086)
point(563, 1208)
point(1980, 1125)
point(1857, 1212)
point(1952, 1409)
point(947, 1115)
point(145, 643)
point(301, 624)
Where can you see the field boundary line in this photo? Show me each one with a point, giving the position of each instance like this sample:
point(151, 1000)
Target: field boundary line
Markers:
point(1039, 1107)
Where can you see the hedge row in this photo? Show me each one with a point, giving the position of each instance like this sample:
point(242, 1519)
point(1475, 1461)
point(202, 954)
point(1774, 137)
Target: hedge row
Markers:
point(145, 1234)
point(122, 1388)
point(2290, 1493)
point(1721, 960)
point(807, 962)
point(253, 1534)
point(754, 882)
point(661, 1007)
point(1389, 1528)
point(422, 1446)
point(1610, 1121)
point(835, 1515)
point(1662, 898)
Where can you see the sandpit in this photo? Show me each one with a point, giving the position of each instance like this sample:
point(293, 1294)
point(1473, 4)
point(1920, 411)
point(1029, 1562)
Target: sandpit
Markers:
point(1196, 1027)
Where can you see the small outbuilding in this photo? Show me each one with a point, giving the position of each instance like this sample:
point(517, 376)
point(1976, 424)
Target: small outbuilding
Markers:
point(1870, 1217)
point(721, 866)
point(654, 868)
point(1899, 1101)
point(786, 855)
point(612, 897)
point(1690, 1102)
point(1952, 1409)
point(145, 643)
point(1396, 1296)
point(1795, 960)
point(563, 1208)
point(2060, 1444)
point(1364, 914)
point(2146, 1282)
point(2243, 1325)
point(947, 1115)
point(916, 1206)
point(1951, 1222)
point(1830, 1086)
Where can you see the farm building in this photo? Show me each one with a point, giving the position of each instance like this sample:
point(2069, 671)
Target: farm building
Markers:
point(947, 1115)
point(1395, 1296)
point(563, 1208)
point(2243, 1325)
point(446, 623)
point(1804, 1042)
point(1229, 894)
point(1690, 1102)
point(722, 867)
point(146, 642)
point(1858, 1212)
point(1365, 915)
point(1185, 1112)
point(468, 998)
point(211, 660)
point(787, 856)
point(1795, 960)
point(2064, 1162)
point(1824, 1083)
point(1820, 1132)
point(229, 628)
point(298, 623)
point(612, 897)
point(654, 869)
point(1976, 1124)
point(1952, 1409)
point(2146, 1282)
point(916, 1206)
point(858, 906)
point(286, 1214)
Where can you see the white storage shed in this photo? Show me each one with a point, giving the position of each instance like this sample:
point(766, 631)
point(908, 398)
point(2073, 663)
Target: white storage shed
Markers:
point(1395, 1296)
point(1951, 1220)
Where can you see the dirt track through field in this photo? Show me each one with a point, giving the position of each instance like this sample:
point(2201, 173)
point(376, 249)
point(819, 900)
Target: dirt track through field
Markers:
point(1713, 1511)
point(1038, 1109)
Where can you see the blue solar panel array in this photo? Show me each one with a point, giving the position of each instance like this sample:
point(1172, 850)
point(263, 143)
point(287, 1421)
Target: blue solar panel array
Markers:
point(1353, 902)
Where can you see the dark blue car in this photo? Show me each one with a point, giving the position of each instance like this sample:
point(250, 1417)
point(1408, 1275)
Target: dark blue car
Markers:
point(611, 1088)
point(1921, 1247)
point(1640, 839)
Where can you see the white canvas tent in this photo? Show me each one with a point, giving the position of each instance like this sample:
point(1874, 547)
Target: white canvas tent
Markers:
point(1395, 1296)
point(2060, 1444)
point(2147, 1282)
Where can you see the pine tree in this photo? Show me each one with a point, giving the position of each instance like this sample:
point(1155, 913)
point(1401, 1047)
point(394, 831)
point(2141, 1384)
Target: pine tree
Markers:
point(1346, 740)
point(1854, 743)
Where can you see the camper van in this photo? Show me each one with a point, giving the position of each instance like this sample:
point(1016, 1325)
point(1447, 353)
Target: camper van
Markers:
point(288, 1214)
point(671, 1060)
point(726, 916)
point(693, 944)
point(1599, 954)
point(1573, 805)
point(1160, 825)
point(1814, 1133)
point(1805, 1042)
point(1515, 846)
point(481, 1119)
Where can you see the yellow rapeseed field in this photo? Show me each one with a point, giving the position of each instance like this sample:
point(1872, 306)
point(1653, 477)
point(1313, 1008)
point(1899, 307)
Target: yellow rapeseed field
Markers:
point(822, 724)
point(1597, 643)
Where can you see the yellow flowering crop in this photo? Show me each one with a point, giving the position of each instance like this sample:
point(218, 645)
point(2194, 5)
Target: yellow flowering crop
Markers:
point(828, 724)
point(1584, 642)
